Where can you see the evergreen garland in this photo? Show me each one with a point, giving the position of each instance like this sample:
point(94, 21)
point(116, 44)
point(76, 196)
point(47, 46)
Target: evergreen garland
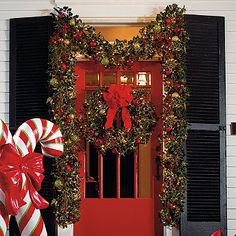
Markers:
point(72, 40)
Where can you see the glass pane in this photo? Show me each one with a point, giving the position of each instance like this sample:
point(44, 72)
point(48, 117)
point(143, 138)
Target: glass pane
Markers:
point(92, 79)
point(109, 78)
point(143, 78)
point(127, 78)
point(91, 171)
point(127, 176)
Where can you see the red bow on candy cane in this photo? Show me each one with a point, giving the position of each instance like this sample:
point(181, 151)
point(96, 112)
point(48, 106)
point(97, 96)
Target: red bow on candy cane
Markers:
point(116, 97)
point(12, 166)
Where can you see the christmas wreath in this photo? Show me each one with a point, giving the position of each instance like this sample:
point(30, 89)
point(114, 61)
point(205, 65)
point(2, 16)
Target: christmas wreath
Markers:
point(117, 119)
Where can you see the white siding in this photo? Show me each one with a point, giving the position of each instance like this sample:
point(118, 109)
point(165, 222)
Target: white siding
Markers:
point(121, 11)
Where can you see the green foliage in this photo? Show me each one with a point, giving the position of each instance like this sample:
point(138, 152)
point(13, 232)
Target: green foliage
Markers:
point(165, 38)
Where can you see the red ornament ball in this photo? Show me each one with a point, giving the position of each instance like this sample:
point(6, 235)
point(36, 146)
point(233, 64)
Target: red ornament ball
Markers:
point(61, 15)
point(130, 62)
point(78, 35)
point(176, 30)
point(171, 205)
point(60, 112)
point(168, 72)
point(93, 44)
point(179, 18)
point(99, 142)
point(178, 86)
point(168, 21)
point(168, 219)
point(138, 141)
point(68, 168)
point(63, 66)
point(71, 218)
point(168, 129)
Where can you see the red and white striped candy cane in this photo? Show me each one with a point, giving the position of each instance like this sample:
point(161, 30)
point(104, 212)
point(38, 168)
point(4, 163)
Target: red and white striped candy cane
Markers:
point(5, 137)
point(5, 134)
point(27, 136)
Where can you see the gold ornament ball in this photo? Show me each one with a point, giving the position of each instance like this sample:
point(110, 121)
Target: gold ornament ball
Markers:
point(175, 38)
point(175, 95)
point(72, 116)
point(74, 137)
point(157, 28)
point(105, 61)
point(102, 112)
point(136, 46)
point(53, 82)
point(72, 22)
point(58, 184)
point(66, 41)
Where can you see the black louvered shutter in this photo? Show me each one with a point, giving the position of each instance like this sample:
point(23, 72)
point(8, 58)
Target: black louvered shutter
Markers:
point(29, 90)
point(205, 208)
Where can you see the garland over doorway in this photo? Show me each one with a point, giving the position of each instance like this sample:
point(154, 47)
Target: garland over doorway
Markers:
point(165, 38)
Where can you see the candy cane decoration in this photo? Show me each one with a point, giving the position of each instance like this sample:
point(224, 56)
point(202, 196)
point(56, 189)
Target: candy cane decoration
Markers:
point(5, 137)
point(25, 140)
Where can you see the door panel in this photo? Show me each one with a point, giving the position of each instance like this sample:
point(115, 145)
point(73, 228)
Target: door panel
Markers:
point(120, 195)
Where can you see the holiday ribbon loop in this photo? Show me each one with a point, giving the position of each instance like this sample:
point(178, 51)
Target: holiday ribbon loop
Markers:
point(12, 168)
point(118, 96)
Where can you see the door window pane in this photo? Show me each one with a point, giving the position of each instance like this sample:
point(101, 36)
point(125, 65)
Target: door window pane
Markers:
point(92, 79)
point(127, 78)
point(143, 78)
point(109, 78)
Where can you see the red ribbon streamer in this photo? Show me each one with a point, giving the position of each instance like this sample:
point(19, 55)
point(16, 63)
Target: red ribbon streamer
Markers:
point(118, 96)
point(12, 166)
point(216, 233)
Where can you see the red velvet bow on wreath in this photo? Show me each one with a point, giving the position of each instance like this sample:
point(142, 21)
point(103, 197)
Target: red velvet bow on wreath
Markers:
point(118, 96)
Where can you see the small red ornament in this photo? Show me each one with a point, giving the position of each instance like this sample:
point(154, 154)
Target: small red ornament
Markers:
point(93, 44)
point(68, 167)
point(52, 40)
point(176, 30)
point(168, 72)
point(63, 66)
point(65, 57)
point(114, 150)
point(71, 218)
point(168, 21)
point(78, 35)
point(168, 218)
point(168, 129)
point(130, 62)
point(75, 149)
point(60, 112)
point(61, 15)
point(138, 141)
point(169, 82)
point(178, 86)
point(99, 142)
point(179, 18)
point(171, 205)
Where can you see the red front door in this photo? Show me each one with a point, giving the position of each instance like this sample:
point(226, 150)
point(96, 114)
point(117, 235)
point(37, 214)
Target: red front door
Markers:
point(120, 195)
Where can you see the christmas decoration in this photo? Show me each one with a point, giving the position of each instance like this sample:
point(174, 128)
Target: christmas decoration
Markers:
point(164, 39)
point(21, 172)
point(122, 105)
point(217, 233)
